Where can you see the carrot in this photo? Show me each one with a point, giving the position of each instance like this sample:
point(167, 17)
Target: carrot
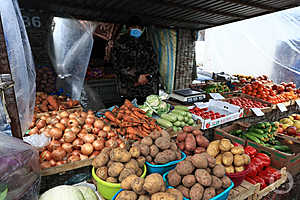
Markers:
point(146, 126)
point(131, 131)
point(128, 104)
point(120, 115)
point(115, 110)
point(158, 128)
point(138, 110)
point(139, 115)
point(109, 115)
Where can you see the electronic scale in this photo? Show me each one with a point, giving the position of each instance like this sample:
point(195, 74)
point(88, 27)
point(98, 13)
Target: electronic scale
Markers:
point(188, 95)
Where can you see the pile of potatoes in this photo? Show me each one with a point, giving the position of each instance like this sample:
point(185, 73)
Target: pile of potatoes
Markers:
point(158, 148)
point(191, 141)
point(152, 187)
point(232, 157)
point(114, 165)
point(198, 177)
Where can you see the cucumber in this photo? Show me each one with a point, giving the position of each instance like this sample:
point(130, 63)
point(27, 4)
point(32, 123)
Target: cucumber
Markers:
point(253, 138)
point(189, 115)
point(177, 123)
point(186, 119)
point(184, 108)
point(281, 147)
point(182, 124)
point(179, 112)
point(255, 135)
point(164, 123)
point(190, 122)
point(170, 118)
point(179, 117)
point(258, 131)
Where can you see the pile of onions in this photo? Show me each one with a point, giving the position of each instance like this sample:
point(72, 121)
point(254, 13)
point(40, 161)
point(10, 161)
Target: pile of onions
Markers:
point(74, 136)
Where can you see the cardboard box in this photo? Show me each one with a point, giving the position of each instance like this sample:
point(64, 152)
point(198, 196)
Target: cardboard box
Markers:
point(225, 133)
point(232, 113)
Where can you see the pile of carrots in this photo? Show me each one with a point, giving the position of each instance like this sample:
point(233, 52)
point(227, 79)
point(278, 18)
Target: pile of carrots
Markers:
point(131, 121)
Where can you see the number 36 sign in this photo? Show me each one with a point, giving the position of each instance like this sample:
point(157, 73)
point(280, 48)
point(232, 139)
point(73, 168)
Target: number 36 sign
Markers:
point(30, 20)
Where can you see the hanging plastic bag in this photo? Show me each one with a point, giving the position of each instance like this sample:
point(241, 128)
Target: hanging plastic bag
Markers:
point(71, 45)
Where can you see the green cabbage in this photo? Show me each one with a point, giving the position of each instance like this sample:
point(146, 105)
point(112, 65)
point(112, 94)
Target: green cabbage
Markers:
point(153, 100)
point(64, 192)
point(87, 192)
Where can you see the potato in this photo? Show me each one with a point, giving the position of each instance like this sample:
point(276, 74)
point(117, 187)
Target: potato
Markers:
point(174, 178)
point(135, 151)
point(102, 173)
point(141, 161)
point(106, 150)
point(126, 183)
point(190, 142)
point(120, 155)
point(163, 196)
point(247, 159)
point(219, 159)
point(147, 141)
point(185, 191)
point(177, 193)
point(139, 172)
point(188, 180)
point(197, 132)
point(144, 197)
point(199, 150)
point(163, 157)
point(125, 173)
point(163, 143)
point(226, 182)
point(171, 154)
point(154, 135)
point(145, 150)
point(199, 161)
point(238, 150)
point(133, 164)
point(164, 133)
point(127, 195)
point(213, 148)
point(137, 185)
point(153, 150)
point(153, 183)
point(203, 177)
point(227, 158)
point(173, 146)
point(163, 188)
point(115, 169)
point(136, 143)
point(225, 145)
point(100, 160)
point(181, 136)
point(239, 169)
point(110, 162)
point(219, 171)
point(211, 160)
point(208, 170)
point(149, 159)
point(202, 141)
point(219, 191)
point(209, 193)
point(196, 192)
point(180, 145)
point(229, 169)
point(188, 129)
point(111, 180)
point(185, 167)
point(216, 182)
point(238, 160)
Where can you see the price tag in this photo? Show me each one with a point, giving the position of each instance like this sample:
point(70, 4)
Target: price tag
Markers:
point(216, 96)
point(257, 112)
point(298, 102)
point(282, 107)
point(200, 105)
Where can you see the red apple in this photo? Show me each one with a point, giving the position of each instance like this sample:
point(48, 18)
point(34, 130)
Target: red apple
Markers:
point(291, 130)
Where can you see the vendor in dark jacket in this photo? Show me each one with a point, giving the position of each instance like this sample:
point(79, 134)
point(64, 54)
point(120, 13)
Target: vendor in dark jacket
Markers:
point(135, 63)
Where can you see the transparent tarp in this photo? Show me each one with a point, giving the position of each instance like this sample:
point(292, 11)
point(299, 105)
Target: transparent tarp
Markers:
point(268, 45)
point(71, 44)
point(20, 60)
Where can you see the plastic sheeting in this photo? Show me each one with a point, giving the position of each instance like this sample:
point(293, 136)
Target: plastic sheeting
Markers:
point(70, 48)
point(264, 45)
point(20, 60)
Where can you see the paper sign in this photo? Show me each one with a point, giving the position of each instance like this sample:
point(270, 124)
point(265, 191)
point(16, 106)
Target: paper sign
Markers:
point(201, 105)
point(257, 112)
point(282, 107)
point(298, 102)
point(216, 96)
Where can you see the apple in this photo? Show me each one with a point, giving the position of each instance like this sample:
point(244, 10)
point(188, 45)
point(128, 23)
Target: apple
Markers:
point(291, 130)
point(297, 117)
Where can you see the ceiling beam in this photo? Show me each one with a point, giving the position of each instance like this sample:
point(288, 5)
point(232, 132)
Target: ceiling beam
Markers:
point(252, 4)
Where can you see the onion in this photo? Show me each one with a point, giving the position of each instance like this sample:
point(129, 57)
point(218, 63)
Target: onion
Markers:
point(41, 124)
point(98, 145)
point(90, 112)
point(88, 127)
point(64, 114)
point(34, 131)
point(99, 124)
point(87, 149)
point(45, 165)
point(106, 128)
point(81, 135)
point(90, 120)
point(111, 134)
point(46, 132)
point(102, 134)
point(83, 131)
point(122, 145)
point(67, 147)
point(48, 120)
point(72, 116)
point(64, 121)
point(49, 127)
point(83, 114)
point(43, 117)
point(75, 129)
point(53, 121)
point(58, 154)
point(56, 133)
point(88, 138)
point(61, 163)
point(95, 130)
point(77, 143)
point(75, 153)
point(45, 155)
point(54, 144)
point(83, 157)
point(61, 140)
point(60, 126)
point(69, 136)
point(52, 163)
point(81, 120)
point(111, 143)
point(73, 122)
point(94, 154)
point(73, 158)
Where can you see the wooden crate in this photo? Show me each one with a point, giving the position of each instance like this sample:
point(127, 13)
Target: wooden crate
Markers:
point(244, 191)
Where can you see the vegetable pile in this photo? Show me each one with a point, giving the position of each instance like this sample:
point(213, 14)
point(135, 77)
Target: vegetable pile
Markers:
point(115, 165)
point(74, 136)
point(289, 126)
point(131, 121)
point(45, 80)
point(177, 119)
point(232, 157)
point(199, 177)
point(158, 148)
point(154, 104)
point(246, 103)
point(217, 88)
point(45, 103)
point(191, 140)
point(260, 170)
point(152, 187)
point(205, 113)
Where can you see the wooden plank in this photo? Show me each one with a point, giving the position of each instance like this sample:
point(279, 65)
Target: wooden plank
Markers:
point(244, 191)
point(9, 94)
point(66, 167)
